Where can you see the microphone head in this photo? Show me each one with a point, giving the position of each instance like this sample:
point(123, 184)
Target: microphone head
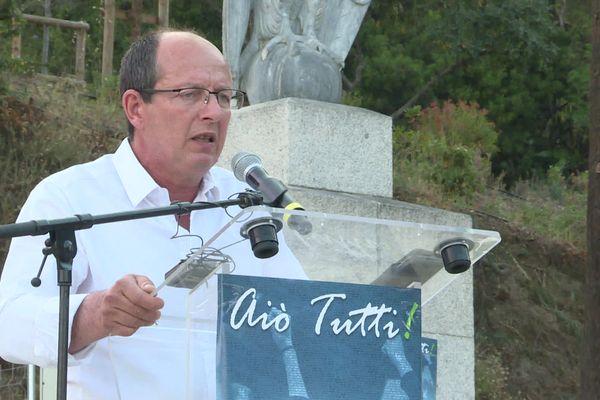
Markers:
point(242, 163)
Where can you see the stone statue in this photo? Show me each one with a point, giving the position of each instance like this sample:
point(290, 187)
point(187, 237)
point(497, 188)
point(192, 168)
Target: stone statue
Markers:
point(296, 48)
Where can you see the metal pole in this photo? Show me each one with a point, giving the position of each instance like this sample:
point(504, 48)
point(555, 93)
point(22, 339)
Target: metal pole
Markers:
point(32, 387)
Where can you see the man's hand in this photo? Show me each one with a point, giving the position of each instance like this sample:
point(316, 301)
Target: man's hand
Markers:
point(120, 311)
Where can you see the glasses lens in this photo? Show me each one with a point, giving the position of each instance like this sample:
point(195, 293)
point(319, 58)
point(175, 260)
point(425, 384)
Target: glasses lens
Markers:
point(193, 96)
point(230, 99)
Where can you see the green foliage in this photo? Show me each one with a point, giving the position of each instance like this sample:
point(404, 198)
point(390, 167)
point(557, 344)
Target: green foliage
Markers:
point(107, 90)
point(526, 62)
point(450, 146)
point(553, 207)
point(61, 57)
point(204, 16)
point(443, 159)
point(563, 216)
point(7, 64)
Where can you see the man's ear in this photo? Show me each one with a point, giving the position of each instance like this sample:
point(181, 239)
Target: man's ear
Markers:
point(133, 105)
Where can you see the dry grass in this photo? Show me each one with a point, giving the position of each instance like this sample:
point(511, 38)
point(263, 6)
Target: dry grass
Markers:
point(47, 127)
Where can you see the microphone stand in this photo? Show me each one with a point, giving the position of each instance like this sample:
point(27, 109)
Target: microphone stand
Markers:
point(63, 246)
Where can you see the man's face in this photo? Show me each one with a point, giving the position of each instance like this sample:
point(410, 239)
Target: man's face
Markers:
point(178, 142)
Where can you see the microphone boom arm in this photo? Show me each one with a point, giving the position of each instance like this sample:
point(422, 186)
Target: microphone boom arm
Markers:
point(86, 221)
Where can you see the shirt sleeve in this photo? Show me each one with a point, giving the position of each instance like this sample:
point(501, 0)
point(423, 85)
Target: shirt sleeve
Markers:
point(29, 315)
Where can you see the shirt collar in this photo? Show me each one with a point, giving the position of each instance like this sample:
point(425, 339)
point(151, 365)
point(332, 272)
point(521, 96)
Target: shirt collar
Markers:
point(138, 183)
point(209, 190)
point(135, 179)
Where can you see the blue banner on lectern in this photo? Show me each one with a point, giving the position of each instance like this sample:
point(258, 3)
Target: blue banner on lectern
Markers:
point(294, 339)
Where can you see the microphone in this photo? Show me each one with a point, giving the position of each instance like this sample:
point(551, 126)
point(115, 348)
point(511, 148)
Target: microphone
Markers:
point(248, 168)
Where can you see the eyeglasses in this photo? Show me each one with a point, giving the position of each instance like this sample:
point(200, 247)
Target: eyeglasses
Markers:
point(228, 99)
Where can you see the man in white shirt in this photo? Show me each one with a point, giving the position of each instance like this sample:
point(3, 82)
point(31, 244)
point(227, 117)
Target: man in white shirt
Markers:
point(176, 93)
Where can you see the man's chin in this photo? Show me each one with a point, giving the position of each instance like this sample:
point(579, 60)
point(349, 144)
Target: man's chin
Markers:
point(204, 160)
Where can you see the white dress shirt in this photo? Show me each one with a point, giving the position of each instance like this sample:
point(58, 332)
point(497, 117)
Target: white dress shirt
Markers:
point(142, 366)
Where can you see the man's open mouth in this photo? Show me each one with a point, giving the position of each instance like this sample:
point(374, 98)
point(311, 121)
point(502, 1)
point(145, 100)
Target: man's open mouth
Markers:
point(204, 138)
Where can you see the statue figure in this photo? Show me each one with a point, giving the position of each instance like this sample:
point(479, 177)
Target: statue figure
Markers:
point(296, 48)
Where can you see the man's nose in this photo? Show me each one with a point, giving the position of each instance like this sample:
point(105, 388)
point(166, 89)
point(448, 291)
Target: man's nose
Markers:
point(211, 108)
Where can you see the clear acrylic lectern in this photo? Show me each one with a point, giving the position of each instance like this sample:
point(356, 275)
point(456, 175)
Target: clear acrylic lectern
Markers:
point(180, 350)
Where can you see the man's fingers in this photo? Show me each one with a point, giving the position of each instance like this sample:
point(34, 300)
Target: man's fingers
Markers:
point(119, 317)
point(120, 304)
point(145, 284)
point(127, 306)
point(118, 329)
point(139, 291)
point(145, 300)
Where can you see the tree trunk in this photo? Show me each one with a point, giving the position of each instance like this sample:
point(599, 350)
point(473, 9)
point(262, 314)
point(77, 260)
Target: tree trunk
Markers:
point(137, 9)
point(590, 359)
point(400, 112)
point(46, 37)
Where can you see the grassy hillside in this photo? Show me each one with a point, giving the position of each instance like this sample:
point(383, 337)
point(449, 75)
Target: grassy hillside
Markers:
point(528, 316)
point(527, 291)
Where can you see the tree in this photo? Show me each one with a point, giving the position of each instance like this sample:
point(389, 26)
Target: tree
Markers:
point(590, 360)
point(523, 60)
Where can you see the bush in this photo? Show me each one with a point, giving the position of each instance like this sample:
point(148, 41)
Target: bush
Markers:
point(448, 146)
point(554, 207)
